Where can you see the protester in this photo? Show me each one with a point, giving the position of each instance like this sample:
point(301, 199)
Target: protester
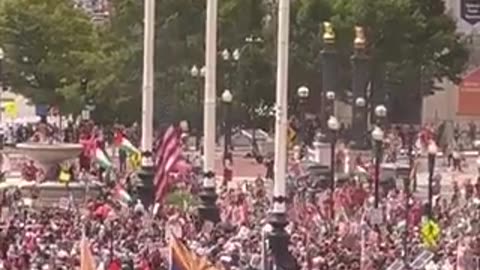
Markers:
point(124, 234)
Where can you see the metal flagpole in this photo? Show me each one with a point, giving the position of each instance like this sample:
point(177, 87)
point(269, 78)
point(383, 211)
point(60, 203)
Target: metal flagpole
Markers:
point(146, 172)
point(210, 86)
point(278, 238)
point(148, 67)
point(208, 209)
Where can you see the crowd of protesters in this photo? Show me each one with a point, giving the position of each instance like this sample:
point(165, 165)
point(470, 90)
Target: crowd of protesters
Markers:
point(125, 235)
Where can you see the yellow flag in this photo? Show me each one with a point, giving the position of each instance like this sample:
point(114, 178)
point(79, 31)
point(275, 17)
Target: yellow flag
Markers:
point(135, 160)
point(64, 176)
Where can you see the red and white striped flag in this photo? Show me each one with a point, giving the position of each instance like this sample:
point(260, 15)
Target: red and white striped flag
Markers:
point(168, 154)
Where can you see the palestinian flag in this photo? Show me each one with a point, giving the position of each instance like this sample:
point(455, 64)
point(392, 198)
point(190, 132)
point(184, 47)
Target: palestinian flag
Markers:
point(122, 195)
point(124, 144)
point(102, 159)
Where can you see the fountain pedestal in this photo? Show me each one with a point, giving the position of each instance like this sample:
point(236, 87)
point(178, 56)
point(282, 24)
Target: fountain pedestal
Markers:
point(47, 155)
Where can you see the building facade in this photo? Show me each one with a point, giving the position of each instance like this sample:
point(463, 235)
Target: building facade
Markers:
point(461, 102)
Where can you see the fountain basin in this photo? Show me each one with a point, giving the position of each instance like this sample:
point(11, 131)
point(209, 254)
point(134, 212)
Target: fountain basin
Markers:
point(49, 155)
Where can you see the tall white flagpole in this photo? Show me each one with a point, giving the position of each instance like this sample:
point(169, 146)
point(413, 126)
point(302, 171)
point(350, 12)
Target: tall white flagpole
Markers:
point(148, 69)
point(281, 117)
point(208, 209)
point(146, 173)
point(210, 89)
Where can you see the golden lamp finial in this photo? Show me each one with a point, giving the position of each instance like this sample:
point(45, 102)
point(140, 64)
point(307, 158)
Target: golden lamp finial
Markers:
point(360, 40)
point(328, 33)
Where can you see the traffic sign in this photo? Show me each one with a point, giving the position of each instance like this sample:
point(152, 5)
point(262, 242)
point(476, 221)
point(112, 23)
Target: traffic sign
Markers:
point(430, 233)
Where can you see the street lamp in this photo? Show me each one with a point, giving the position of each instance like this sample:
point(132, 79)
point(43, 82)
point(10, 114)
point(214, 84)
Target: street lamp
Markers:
point(229, 58)
point(381, 114)
point(227, 99)
point(360, 102)
point(2, 86)
point(236, 54)
point(377, 135)
point(334, 126)
point(226, 54)
point(197, 74)
point(360, 67)
point(329, 71)
point(432, 154)
point(303, 92)
point(411, 142)
point(359, 123)
point(194, 71)
point(330, 103)
point(330, 96)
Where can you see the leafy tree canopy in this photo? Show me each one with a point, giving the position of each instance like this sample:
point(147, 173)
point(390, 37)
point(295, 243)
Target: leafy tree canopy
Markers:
point(48, 46)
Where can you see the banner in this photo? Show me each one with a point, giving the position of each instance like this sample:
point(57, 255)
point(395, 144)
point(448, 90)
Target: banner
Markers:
point(470, 11)
point(469, 95)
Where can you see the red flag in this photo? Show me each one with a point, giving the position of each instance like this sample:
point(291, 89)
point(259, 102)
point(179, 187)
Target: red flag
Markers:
point(167, 156)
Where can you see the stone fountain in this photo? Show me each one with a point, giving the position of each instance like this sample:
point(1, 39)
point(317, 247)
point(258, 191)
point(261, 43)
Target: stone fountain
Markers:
point(48, 155)
point(50, 191)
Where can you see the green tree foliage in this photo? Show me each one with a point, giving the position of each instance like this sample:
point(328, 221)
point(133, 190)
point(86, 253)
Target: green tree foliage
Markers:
point(411, 42)
point(48, 45)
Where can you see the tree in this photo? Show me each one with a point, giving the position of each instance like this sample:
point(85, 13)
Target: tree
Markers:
point(411, 44)
point(48, 45)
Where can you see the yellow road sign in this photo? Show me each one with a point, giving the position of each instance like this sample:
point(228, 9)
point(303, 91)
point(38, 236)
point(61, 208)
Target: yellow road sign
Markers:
point(430, 233)
point(10, 109)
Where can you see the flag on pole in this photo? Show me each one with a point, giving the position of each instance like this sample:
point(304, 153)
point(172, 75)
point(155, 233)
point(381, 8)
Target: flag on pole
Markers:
point(122, 195)
point(102, 159)
point(124, 144)
point(86, 258)
point(167, 156)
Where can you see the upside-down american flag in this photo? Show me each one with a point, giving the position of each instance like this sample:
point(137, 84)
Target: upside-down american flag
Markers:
point(169, 151)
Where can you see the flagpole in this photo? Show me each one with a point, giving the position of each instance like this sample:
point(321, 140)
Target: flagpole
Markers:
point(278, 238)
point(146, 172)
point(207, 209)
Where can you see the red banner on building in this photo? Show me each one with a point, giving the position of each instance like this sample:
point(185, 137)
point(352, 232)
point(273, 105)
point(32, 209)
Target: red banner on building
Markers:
point(469, 95)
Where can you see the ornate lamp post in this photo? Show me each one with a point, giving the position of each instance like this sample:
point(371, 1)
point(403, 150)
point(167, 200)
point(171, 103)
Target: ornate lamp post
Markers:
point(333, 126)
point(330, 103)
point(377, 135)
point(360, 63)
point(432, 154)
point(329, 69)
point(303, 93)
point(197, 74)
point(2, 85)
point(359, 123)
point(227, 99)
point(380, 114)
point(230, 58)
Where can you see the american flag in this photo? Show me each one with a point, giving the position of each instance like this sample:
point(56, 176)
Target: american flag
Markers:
point(168, 154)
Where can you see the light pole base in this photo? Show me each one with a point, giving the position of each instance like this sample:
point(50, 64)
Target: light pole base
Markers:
point(278, 240)
point(146, 174)
point(208, 209)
